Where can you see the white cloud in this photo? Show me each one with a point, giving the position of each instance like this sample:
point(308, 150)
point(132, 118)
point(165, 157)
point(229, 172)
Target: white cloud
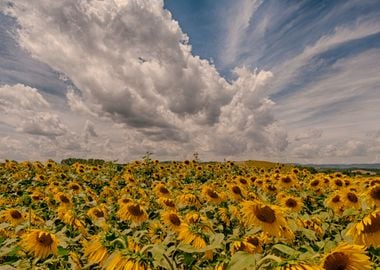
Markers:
point(43, 123)
point(26, 110)
point(131, 64)
point(20, 97)
point(288, 71)
point(237, 22)
point(312, 133)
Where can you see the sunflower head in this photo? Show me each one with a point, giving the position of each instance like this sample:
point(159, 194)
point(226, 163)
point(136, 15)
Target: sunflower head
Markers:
point(367, 231)
point(268, 217)
point(133, 212)
point(162, 191)
point(172, 220)
point(211, 195)
point(346, 257)
point(12, 216)
point(292, 204)
point(373, 195)
point(39, 243)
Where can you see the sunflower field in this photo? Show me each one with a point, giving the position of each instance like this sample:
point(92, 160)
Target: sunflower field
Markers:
point(186, 215)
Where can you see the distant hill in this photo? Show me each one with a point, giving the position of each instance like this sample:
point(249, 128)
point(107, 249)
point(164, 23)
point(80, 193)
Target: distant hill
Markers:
point(372, 166)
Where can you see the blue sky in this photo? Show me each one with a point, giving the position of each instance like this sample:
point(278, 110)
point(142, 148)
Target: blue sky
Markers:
point(292, 81)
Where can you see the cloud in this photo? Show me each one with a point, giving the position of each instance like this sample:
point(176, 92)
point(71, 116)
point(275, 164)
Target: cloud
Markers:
point(26, 110)
point(131, 63)
point(238, 20)
point(20, 97)
point(310, 134)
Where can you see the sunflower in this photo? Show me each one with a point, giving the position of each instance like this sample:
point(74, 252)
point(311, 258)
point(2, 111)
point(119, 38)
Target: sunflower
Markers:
point(292, 204)
point(373, 195)
point(95, 251)
point(345, 256)
point(211, 195)
point(189, 234)
point(313, 224)
point(301, 266)
point(75, 187)
point(236, 192)
point(39, 243)
point(68, 217)
point(118, 261)
point(335, 202)
point(133, 212)
point(156, 232)
point(338, 183)
point(162, 191)
point(351, 199)
point(367, 231)
point(96, 213)
point(224, 215)
point(268, 217)
point(63, 199)
point(172, 220)
point(124, 200)
point(249, 244)
point(167, 203)
point(316, 185)
point(287, 181)
point(12, 216)
point(189, 199)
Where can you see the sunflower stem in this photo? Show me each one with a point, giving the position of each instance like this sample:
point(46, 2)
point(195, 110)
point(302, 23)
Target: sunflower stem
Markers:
point(169, 262)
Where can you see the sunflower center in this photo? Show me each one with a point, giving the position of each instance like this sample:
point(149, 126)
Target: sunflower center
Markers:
point(45, 239)
point(338, 182)
point(75, 187)
point(164, 190)
point(314, 183)
point(174, 219)
point(243, 181)
point(266, 214)
point(286, 179)
point(291, 203)
point(135, 210)
point(336, 261)
point(126, 200)
point(169, 203)
point(98, 213)
point(212, 194)
point(253, 240)
point(375, 193)
point(336, 199)
point(352, 197)
point(64, 199)
point(236, 190)
point(15, 214)
point(374, 226)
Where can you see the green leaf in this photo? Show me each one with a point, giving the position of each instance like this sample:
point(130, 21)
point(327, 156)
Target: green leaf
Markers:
point(62, 251)
point(309, 234)
point(286, 249)
point(242, 260)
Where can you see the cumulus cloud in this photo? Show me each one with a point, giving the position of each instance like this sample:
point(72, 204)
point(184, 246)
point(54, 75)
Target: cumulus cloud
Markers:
point(132, 64)
point(28, 111)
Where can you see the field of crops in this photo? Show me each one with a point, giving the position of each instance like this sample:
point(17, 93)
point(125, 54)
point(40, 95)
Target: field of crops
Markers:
point(186, 215)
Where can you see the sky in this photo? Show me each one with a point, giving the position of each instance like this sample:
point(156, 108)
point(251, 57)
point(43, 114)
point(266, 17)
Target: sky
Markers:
point(285, 81)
